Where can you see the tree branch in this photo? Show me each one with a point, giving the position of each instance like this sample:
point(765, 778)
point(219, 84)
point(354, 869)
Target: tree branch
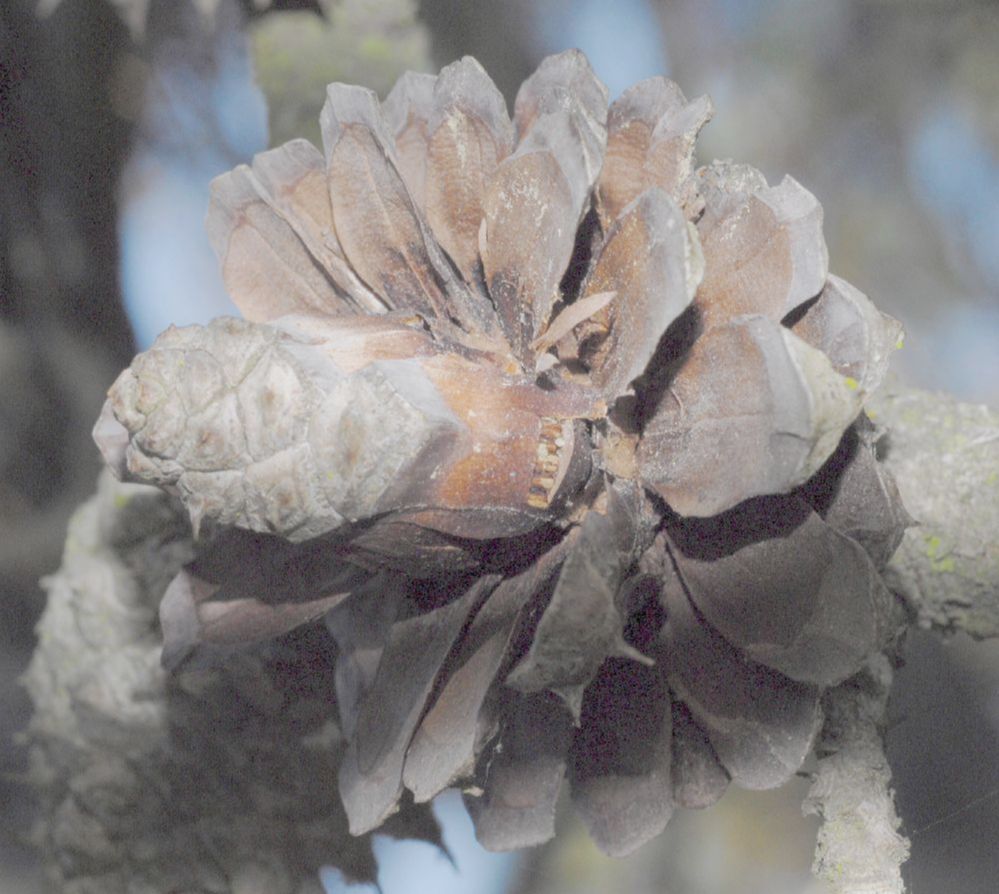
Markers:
point(859, 849)
point(945, 457)
point(223, 778)
point(218, 779)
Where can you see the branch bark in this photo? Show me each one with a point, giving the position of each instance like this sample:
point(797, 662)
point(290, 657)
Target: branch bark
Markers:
point(859, 849)
point(223, 778)
point(945, 457)
point(218, 779)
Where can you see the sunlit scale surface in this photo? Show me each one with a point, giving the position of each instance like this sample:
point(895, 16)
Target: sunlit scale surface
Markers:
point(560, 433)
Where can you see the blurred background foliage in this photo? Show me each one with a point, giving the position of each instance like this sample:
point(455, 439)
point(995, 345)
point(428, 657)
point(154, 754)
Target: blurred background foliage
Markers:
point(115, 115)
point(359, 42)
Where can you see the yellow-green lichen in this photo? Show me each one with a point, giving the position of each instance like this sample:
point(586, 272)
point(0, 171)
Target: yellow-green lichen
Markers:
point(940, 560)
point(943, 565)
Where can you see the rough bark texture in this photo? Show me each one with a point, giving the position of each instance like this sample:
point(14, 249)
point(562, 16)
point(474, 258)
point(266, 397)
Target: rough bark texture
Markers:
point(945, 456)
point(859, 849)
point(223, 778)
point(219, 779)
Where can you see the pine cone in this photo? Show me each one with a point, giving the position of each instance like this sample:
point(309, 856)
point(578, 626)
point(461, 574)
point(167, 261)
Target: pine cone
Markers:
point(561, 435)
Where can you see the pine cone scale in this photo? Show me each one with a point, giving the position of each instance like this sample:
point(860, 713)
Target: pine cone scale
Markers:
point(561, 434)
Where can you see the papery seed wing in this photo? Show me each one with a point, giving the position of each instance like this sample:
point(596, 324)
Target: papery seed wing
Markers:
point(446, 746)
point(857, 495)
point(538, 196)
point(764, 251)
point(698, 779)
point(517, 807)
point(407, 110)
point(470, 133)
point(761, 724)
point(590, 311)
point(857, 338)
point(651, 131)
point(355, 342)
point(292, 180)
point(752, 410)
point(621, 756)
point(783, 586)
point(371, 773)
point(383, 233)
point(652, 259)
point(267, 270)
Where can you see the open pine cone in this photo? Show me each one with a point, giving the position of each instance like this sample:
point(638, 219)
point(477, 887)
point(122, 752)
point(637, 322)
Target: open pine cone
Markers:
point(562, 437)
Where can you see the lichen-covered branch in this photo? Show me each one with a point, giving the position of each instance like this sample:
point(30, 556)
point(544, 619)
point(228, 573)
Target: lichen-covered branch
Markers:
point(859, 848)
point(224, 780)
point(945, 457)
point(218, 779)
point(562, 451)
point(540, 436)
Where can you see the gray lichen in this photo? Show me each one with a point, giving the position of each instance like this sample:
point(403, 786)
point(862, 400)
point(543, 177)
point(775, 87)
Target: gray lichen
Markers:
point(859, 848)
point(219, 779)
point(118, 802)
point(714, 439)
point(945, 456)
